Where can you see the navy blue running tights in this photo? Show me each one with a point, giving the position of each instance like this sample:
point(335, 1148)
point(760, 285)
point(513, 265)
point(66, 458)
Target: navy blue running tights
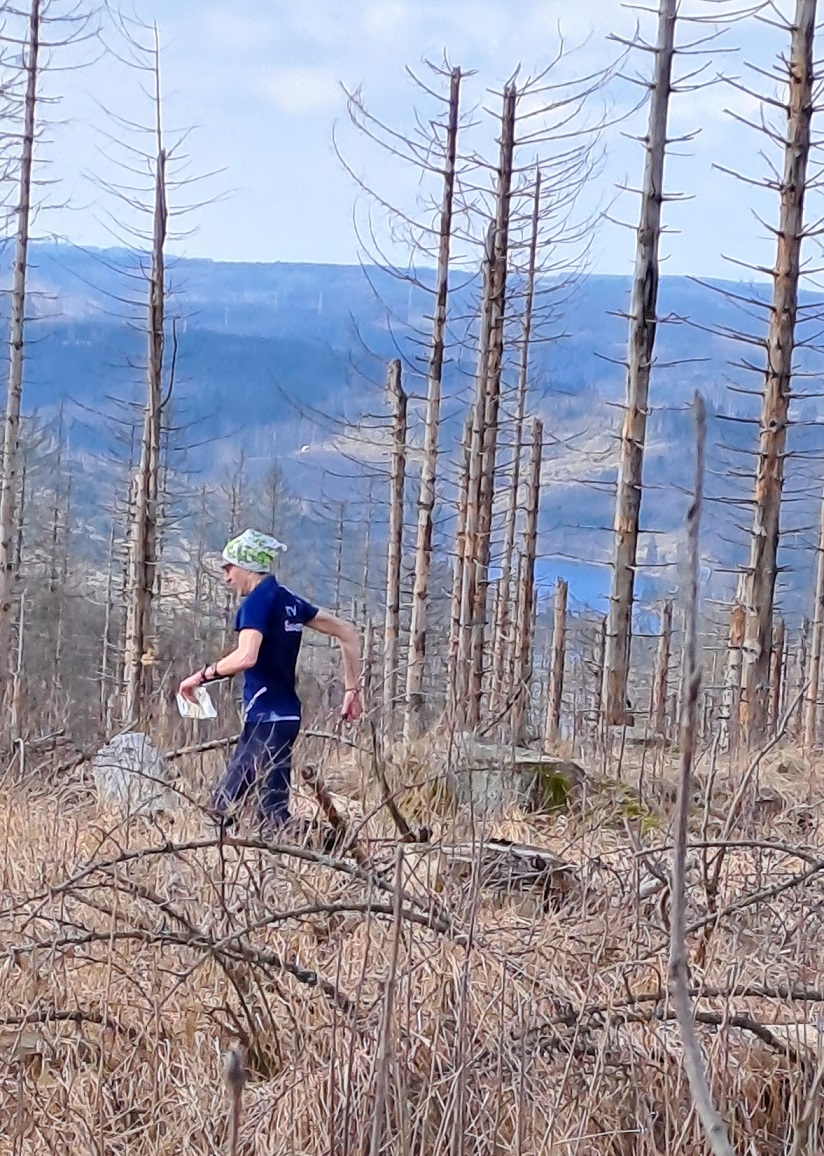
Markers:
point(262, 760)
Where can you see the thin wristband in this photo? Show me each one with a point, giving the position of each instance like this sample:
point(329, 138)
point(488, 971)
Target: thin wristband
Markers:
point(351, 689)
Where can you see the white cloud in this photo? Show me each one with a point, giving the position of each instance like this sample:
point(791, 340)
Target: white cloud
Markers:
point(301, 89)
point(235, 32)
point(386, 18)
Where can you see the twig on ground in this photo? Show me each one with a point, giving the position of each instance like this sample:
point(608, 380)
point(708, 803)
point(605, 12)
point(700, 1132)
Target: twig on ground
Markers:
point(340, 825)
point(404, 830)
point(385, 1052)
point(805, 1120)
point(234, 1071)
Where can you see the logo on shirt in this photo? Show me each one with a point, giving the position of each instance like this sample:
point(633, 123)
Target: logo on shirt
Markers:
point(293, 627)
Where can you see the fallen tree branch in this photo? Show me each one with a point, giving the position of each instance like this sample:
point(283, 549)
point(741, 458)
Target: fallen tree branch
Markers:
point(362, 874)
point(758, 896)
point(601, 1019)
point(76, 1016)
point(339, 824)
point(86, 755)
point(403, 828)
point(780, 848)
point(215, 744)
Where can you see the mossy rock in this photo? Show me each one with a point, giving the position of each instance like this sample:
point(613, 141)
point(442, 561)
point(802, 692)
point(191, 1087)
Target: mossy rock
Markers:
point(490, 775)
point(556, 783)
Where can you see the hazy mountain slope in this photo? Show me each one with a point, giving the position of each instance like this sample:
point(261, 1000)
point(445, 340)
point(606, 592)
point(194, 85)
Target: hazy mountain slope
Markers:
point(265, 351)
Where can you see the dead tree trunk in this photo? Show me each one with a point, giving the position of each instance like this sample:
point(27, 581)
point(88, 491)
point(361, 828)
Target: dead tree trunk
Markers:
point(366, 579)
point(107, 627)
point(397, 479)
point(525, 626)
point(338, 595)
point(11, 428)
point(599, 730)
point(17, 712)
point(488, 397)
point(777, 673)
point(679, 980)
point(556, 674)
point(732, 688)
point(473, 465)
point(659, 687)
point(368, 660)
point(800, 680)
point(502, 647)
point(20, 527)
point(426, 502)
point(143, 543)
point(455, 632)
point(811, 693)
point(60, 588)
point(762, 568)
point(642, 327)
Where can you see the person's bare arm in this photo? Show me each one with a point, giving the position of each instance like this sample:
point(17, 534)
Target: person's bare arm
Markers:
point(347, 636)
point(243, 657)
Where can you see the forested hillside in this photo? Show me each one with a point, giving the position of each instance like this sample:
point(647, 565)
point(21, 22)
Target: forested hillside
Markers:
point(301, 349)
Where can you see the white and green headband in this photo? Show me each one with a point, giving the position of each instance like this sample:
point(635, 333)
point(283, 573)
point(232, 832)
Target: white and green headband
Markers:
point(253, 551)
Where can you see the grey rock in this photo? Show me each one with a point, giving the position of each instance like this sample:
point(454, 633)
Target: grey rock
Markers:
point(131, 773)
point(491, 775)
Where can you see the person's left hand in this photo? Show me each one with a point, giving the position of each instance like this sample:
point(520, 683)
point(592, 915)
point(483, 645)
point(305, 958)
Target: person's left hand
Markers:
point(190, 685)
point(352, 708)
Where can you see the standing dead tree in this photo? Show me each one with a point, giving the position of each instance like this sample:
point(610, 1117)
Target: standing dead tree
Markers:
point(10, 465)
point(458, 561)
point(642, 328)
point(489, 400)
point(731, 703)
point(150, 175)
point(502, 644)
point(426, 501)
point(525, 625)
point(777, 673)
point(762, 569)
point(658, 713)
point(481, 492)
point(679, 973)
point(138, 657)
point(467, 530)
point(401, 244)
point(812, 692)
point(394, 548)
point(556, 670)
point(488, 210)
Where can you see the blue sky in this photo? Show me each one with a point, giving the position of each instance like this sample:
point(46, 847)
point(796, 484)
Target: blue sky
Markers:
point(259, 82)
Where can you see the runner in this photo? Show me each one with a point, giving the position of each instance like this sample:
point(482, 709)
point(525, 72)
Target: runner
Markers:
point(269, 625)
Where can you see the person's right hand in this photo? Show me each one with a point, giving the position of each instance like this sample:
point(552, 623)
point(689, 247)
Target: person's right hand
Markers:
point(189, 685)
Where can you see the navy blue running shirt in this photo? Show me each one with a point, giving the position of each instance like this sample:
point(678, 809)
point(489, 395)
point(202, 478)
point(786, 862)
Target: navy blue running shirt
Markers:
point(269, 686)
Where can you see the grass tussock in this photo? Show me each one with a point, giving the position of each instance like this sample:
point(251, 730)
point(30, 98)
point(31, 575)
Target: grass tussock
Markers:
point(137, 951)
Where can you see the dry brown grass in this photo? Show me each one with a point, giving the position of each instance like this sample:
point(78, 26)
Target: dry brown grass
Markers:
point(136, 953)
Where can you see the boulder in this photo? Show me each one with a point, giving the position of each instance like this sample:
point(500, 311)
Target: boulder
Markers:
point(491, 775)
point(131, 773)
